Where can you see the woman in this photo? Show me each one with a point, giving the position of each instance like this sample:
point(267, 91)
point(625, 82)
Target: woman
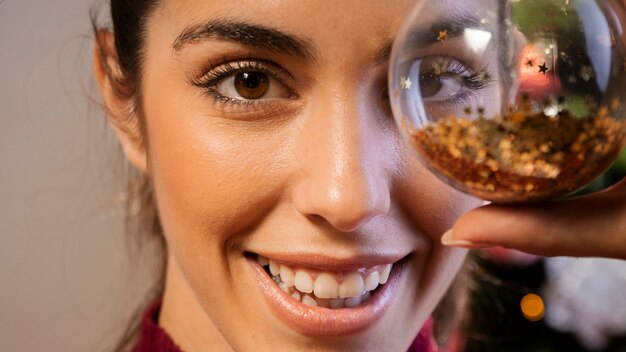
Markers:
point(294, 216)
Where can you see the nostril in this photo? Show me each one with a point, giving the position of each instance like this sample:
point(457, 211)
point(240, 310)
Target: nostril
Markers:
point(349, 219)
point(346, 207)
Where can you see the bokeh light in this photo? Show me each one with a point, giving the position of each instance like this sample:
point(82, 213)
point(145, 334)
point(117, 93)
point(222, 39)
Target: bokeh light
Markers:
point(532, 307)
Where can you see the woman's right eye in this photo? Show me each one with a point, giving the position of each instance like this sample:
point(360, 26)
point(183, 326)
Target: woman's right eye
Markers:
point(251, 85)
point(245, 82)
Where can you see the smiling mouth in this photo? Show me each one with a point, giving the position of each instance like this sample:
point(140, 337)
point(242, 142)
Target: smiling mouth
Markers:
point(325, 289)
point(322, 296)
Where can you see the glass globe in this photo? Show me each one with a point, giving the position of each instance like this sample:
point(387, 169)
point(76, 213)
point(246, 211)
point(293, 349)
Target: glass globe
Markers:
point(512, 100)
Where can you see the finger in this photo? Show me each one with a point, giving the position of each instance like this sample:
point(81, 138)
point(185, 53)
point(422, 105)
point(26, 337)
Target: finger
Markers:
point(588, 226)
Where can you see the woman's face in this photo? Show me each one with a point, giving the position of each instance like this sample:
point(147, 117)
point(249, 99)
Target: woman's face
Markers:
point(270, 138)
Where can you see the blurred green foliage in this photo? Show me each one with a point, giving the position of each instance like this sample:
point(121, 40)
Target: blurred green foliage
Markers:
point(620, 165)
point(525, 16)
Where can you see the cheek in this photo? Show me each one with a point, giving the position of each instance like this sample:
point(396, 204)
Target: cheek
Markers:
point(432, 204)
point(209, 178)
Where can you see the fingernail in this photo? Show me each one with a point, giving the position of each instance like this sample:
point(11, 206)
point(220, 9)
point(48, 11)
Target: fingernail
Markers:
point(448, 240)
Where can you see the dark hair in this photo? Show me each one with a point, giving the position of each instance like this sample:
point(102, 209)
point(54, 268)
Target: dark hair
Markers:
point(129, 19)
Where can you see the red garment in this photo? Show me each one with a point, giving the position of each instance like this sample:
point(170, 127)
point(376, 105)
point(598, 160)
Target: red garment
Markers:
point(154, 339)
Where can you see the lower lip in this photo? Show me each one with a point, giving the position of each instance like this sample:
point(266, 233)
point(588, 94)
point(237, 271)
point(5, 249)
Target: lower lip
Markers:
point(320, 322)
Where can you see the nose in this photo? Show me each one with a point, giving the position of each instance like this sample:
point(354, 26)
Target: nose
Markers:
point(342, 151)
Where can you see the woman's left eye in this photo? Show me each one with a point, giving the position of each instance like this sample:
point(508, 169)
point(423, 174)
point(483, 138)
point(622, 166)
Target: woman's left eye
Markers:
point(434, 87)
point(442, 79)
point(251, 85)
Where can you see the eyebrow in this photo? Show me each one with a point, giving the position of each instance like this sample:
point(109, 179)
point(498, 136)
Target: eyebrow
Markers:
point(423, 37)
point(262, 37)
point(455, 27)
point(247, 34)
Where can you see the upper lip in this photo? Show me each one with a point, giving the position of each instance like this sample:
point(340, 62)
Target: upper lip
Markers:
point(324, 262)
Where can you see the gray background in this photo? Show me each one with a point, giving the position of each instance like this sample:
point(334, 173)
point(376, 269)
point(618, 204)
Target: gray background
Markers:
point(66, 280)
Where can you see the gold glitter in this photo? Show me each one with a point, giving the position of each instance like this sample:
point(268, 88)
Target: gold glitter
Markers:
point(443, 36)
point(405, 83)
point(485, 77)
point(586, 73)
point(437, 68)
point(603, 112)
point(504, 160)
point(613, 40)
point(530, 63)
point(616, 104)
point(543, 68)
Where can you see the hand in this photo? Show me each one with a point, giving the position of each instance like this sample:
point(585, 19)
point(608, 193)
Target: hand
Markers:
point(588, 226)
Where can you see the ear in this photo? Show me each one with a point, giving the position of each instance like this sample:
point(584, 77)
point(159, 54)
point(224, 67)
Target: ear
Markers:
point(119, 102)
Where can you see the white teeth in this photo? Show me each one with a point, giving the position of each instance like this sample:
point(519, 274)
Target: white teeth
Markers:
point(325, 291)
point(262, 261)
point(353, 301)
point(372, 281)
point(326, 286)
point(337, 303)
point(352, 286)
point(296, 295)
point(274, 268)
point(384, 276)
point(286, 275)
point(309, 301)
point(303, 281)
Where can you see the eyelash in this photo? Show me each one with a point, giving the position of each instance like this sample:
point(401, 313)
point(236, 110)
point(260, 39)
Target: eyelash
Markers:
point(212, 77)
point(473, 82)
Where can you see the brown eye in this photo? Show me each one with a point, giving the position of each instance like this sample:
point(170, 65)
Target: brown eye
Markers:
point(440, 79)
point(250, 82)
point(430, 84)
point(252, 85)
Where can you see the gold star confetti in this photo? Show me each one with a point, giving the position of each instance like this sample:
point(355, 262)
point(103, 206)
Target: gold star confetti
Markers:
point(530, 63)
point(405, 83)
point(481, 110)
point(586, 73)
point(437, 69)
point(443, 36)
point(485, 77)
point(543, 69)
point(616, 104)
point(467, 110)
point(613, 40)
point(589, 102)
